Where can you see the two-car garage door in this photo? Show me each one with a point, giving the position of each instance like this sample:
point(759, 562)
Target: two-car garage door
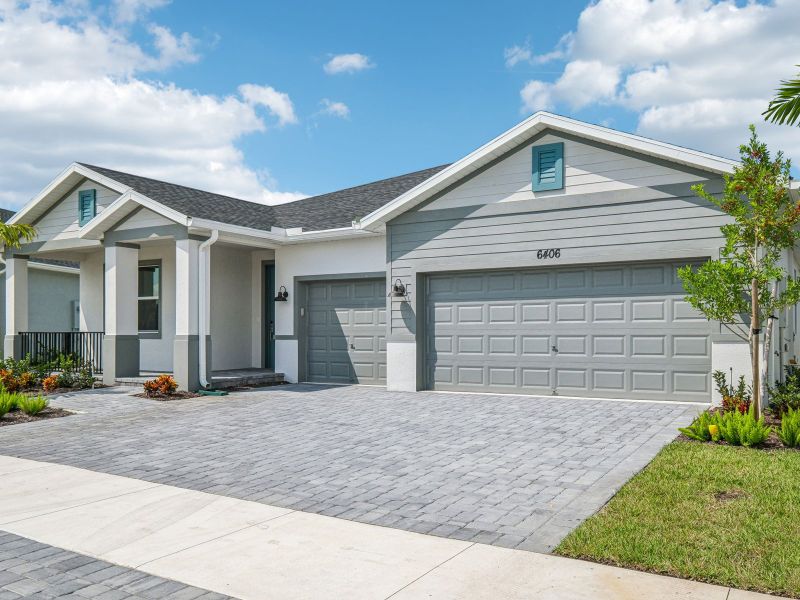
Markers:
point(619, 331)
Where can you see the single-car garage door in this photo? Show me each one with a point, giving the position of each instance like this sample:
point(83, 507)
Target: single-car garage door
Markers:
point(618, 331)
point(345, 331)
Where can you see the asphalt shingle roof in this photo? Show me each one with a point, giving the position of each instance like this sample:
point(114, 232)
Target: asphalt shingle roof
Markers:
point(326, 211)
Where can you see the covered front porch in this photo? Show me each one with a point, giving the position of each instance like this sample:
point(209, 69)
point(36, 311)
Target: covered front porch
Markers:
point(158, 299)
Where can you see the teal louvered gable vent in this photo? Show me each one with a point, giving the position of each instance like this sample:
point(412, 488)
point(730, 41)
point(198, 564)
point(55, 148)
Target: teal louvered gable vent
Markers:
point(86, 206)
point(548, 167)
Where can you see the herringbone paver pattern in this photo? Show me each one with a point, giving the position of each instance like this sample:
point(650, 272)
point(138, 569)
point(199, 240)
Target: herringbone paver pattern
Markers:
point(505, 470)
point(29, 569)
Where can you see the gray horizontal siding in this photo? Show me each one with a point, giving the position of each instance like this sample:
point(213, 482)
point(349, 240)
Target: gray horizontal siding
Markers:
point(587, 229)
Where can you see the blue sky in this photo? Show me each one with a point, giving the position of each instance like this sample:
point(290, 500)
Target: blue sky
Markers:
point(241, 97)
point(439, 87)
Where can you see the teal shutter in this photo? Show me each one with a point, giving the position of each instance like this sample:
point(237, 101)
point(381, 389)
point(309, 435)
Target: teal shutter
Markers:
point(86, 206)
point(548, 167)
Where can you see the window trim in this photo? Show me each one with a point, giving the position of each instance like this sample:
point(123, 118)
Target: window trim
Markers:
point(151, 335)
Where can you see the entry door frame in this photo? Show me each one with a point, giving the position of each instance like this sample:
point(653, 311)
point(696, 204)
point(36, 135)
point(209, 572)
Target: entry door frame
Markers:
point(269, 315)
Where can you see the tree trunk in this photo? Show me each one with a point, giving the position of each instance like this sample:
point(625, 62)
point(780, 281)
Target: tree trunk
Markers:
point(755, 331)
point(767, 351)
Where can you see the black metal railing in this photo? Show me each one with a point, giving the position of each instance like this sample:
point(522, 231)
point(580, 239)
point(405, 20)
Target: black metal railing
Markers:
point(46, 346)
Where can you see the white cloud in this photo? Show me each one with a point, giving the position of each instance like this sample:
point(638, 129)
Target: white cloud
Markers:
point(128, 11)
point(172, 50)
point(517, 54)
point(347, 63)
point(69, 91)
point(277, 103)
point(335, 109)
point(695, 72)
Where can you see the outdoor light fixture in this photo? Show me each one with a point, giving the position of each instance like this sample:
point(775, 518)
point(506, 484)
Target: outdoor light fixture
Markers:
point(282, 294)
point(399, 290)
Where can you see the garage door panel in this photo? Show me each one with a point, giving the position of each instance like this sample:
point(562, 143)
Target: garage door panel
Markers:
point(687, 382)
point(619, 330)
point(608, 312)
point(535, 313)
point(501, 344)
point(609, 380)
point(345, 331)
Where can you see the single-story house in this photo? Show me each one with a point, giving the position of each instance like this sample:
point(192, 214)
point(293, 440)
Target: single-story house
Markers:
point(52, 290)
point(544, 262)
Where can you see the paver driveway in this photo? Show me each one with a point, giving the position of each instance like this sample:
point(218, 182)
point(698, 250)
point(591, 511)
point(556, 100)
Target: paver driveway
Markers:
point(512, 471)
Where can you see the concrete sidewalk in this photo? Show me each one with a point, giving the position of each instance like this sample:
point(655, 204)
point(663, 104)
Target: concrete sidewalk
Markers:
point(251, 550)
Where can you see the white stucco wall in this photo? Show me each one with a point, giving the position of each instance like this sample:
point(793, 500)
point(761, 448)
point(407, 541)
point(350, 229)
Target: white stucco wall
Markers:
point(50, 300)
point(50, 296)
point(401, 366)
point(730, 355)
point(91, 292)
point(363, 255)
point(231, 307)
point(156, 355)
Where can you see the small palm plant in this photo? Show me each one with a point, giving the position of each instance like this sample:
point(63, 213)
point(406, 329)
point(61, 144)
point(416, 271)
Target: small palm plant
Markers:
point(12, 236)
point(785, 107)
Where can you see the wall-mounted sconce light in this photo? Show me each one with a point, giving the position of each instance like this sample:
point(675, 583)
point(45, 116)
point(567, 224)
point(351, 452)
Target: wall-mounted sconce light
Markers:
point(282, 294)
point(399, 289)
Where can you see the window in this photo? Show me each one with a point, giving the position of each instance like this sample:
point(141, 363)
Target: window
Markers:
point(86, 206)
point(150, 298)
point(548, 167)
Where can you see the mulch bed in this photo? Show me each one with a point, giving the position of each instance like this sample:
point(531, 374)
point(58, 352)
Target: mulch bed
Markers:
point(17, 416)
point(167, 397)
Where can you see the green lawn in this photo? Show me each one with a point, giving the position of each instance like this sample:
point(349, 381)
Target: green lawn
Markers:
point(671, 519)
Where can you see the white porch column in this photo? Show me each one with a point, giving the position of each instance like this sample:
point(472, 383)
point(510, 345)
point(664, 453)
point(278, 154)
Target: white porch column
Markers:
point(16, 303)
point(91, 293)
point(121, 339)
point(187, 293)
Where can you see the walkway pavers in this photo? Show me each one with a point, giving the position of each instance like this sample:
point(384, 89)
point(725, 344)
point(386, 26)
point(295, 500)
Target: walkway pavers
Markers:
point(124, 540)
point(30, 569)
point(503, 470)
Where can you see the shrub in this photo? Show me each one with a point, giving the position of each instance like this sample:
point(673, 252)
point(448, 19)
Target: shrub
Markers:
point(6, 404)
point(163, 384)
point(50, 383)
point(698, 430)
point(786, 394)
point(32, 405)
point(734, 398)
point(789, 431)
point(742, 429)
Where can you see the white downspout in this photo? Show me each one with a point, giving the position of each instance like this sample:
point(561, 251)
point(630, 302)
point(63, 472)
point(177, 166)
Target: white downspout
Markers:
point(204, 304)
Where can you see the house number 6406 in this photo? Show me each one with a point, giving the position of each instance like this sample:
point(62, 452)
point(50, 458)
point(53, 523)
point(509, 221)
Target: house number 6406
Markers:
point(549, 253)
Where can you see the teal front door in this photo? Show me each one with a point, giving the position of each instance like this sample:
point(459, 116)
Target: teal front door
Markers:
point(269, 316)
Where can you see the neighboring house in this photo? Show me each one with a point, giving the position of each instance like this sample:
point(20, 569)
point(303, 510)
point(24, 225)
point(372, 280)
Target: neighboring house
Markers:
point(52, 291)
point(543, 263)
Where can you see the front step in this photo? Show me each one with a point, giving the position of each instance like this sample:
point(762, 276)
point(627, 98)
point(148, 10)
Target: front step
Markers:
point(220, 379)
point(223, 380)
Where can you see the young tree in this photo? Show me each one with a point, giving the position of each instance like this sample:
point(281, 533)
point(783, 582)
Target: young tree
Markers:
point(747, 279)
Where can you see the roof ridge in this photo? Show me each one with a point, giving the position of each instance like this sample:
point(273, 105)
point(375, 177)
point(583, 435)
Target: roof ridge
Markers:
point(180, 185)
